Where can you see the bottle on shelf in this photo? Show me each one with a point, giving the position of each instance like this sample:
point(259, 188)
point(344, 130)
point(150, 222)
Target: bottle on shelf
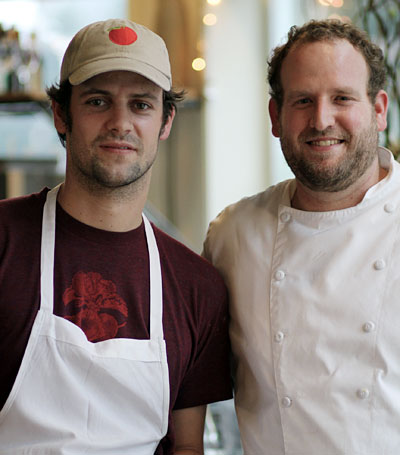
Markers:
point(20, 66)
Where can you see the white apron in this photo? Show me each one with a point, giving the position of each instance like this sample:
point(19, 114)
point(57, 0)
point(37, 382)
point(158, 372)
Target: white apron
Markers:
point(72, 396)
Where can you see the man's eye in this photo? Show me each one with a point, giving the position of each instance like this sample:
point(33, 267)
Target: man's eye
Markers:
point(343, 98)
point(303, 101)
point(96, 102)
point(141, 106)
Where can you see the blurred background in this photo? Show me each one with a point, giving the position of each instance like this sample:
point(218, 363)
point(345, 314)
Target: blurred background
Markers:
point(220, 149)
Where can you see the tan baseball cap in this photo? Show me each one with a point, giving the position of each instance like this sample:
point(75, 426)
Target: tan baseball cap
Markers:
point(116, 44)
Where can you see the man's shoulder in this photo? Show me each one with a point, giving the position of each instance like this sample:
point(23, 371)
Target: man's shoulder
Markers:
point(20, 224)
point(247, 210)
point(22, 207)
point(183, 261)
point(242, 223)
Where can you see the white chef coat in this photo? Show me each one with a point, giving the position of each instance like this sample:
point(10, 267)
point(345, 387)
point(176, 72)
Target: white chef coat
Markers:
point(72, 396)
point(315, 320)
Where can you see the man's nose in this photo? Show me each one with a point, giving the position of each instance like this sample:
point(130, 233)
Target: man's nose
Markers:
point(323, 116)
point(120, 120)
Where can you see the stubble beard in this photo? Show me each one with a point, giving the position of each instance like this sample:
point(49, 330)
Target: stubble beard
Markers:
point(315, 175)
point(98, 174)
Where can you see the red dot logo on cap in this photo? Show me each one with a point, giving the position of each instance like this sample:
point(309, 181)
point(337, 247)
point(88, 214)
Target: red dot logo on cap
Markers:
point(122, 35)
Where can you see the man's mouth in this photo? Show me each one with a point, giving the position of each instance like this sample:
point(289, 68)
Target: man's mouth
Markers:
point(117, 146)
point(325, 142)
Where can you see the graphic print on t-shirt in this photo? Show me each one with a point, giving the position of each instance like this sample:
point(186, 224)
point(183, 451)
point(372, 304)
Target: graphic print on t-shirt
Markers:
point(96, 306)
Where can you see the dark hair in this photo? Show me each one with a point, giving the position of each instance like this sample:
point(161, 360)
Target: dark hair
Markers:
point(328, 30)
point(171, 98)
point(61, 94)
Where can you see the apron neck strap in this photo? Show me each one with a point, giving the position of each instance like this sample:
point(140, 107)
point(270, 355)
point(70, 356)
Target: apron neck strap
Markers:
point(47, 265)
point(156, 295)
point(47, 250)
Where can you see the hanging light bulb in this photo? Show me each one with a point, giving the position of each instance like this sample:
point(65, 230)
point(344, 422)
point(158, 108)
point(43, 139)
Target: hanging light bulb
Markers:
point(213, 2)
point(199, 64)
point(210, 19)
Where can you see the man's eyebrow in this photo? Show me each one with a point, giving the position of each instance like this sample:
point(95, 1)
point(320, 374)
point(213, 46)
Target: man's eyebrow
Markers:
point(93, 91)
point(98, 91)
point(348, 91)
point(298, 94)
point(339, 91)
point(146, 95)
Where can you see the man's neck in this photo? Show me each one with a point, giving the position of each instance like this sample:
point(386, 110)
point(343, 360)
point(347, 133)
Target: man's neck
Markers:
point(319, 201)
point(116, 211)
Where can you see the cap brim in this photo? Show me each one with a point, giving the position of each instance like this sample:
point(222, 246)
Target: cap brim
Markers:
point(94, 68)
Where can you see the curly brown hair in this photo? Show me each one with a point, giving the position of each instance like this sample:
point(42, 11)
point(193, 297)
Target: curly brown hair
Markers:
point(328, 30)
point(61, 94)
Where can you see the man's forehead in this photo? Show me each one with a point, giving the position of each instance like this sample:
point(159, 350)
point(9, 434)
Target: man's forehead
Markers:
point(302, 44)
point(336, 54)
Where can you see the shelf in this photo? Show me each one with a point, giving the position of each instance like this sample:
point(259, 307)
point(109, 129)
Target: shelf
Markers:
point(18, 103)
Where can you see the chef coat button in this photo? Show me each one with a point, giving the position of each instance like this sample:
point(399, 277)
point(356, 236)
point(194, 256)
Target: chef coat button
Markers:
point(363, 394)
point(279, 275)
point(285, 217)
point(389, 207)
point(279, 336)
point(286, 402)
point(379, 264)
point(369, 327)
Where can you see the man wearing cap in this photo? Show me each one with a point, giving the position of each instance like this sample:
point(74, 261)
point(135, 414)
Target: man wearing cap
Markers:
point(113, 335)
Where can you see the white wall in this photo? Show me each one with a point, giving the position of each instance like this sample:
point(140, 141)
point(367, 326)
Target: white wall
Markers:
point(242, 156)
point(282, 15)
point(236, 104)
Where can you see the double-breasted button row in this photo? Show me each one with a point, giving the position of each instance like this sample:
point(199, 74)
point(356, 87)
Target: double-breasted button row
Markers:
point(362, 394)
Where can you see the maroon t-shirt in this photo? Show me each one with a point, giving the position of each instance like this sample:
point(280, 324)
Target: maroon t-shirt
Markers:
point(102, 285)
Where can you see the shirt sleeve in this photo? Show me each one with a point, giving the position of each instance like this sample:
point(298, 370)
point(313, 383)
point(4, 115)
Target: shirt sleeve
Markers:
point(208, 379)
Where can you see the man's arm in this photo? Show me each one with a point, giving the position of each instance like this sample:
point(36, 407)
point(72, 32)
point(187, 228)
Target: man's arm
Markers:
point(189, 430)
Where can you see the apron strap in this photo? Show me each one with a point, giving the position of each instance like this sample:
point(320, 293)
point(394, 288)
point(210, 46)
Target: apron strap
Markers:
point(156, 296)
point(47, 251)
point(47, 266)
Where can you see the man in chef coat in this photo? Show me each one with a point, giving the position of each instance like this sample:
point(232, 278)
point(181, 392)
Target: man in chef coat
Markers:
point(114, 336)
point(313, 263)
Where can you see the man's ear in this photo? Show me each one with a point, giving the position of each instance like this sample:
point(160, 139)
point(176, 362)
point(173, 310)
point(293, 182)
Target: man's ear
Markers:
point(166, 129)
point(59, 120)
point(274, 116)
point(381, 107)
